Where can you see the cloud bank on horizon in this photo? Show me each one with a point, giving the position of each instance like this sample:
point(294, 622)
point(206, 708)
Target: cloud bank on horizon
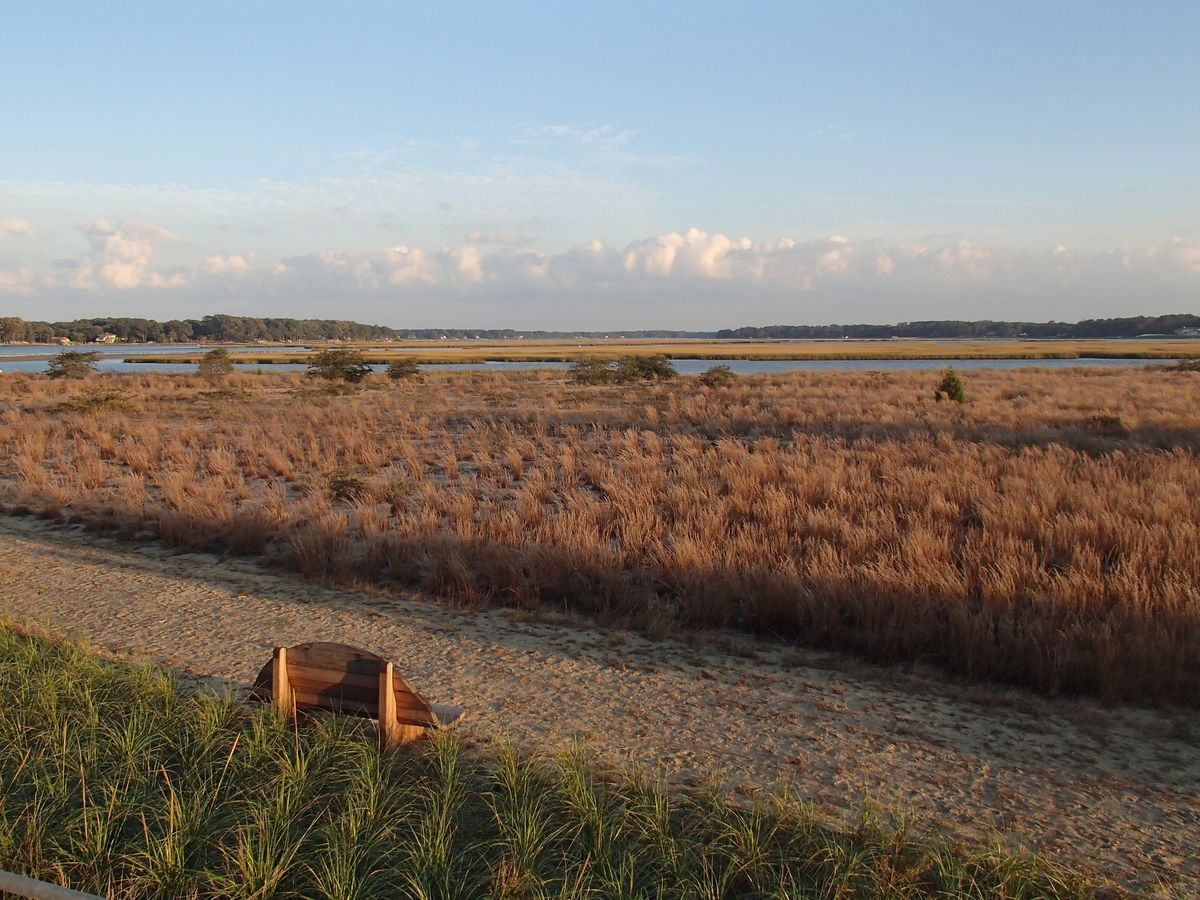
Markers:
point(685, 279)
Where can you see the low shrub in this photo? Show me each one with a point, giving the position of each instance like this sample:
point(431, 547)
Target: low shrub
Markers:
point(73, 364)
point(626, 370)
point(654, 367)
point(340, 364)
point(951, 386)
point(404, 370)
point(97, 399)
point(591, 370)
point(216, 363)
point(345, 484)
point(718, 376)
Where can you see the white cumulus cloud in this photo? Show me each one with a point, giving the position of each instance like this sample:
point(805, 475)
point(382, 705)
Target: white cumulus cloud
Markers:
point(688, 278)
point(693, 253)
point(122, 256)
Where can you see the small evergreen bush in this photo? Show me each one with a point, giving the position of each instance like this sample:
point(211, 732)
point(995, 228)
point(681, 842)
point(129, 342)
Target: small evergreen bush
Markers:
point(591, 370)
point(952, 386)
point(98, 399)
point(644, 368)
point(403, 369)
point(718, 376)
point(626, 370)
point(215, 364)
point(340, 364)
point(73, 364)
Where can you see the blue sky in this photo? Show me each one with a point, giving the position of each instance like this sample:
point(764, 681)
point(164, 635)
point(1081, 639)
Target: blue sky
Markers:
point(600, 165)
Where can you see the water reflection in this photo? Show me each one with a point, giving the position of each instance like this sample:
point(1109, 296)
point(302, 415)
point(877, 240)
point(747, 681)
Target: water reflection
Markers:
point(116, 363)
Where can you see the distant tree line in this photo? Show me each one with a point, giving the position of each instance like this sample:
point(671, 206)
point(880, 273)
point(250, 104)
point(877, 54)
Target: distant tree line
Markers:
point(512, 334)
point(1088, 328)
point(241, 329)
point(210, 328)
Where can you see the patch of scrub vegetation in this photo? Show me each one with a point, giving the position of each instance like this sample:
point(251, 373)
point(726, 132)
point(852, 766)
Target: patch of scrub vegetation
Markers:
point(96, 399)
point(73, 364)
point(215, 364)
point(119, 782)
point(717, 376)
point(405, 369)
point(624, 370)
point(951, 387)
point(339, 365)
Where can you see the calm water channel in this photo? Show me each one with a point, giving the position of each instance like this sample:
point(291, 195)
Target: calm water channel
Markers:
point(35, 359)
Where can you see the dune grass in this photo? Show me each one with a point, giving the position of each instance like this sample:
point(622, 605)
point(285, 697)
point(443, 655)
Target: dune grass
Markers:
point(117, 781)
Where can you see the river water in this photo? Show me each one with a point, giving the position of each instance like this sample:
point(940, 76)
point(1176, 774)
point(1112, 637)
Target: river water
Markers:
point(36, 359)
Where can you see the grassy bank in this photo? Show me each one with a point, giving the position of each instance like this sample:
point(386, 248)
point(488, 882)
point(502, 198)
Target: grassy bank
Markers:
point(116, 781)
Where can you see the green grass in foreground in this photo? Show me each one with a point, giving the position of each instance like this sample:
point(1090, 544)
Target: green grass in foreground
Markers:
point(115, 780)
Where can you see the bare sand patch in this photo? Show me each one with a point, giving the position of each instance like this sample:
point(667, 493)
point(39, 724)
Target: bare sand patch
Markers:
point(1110, 789)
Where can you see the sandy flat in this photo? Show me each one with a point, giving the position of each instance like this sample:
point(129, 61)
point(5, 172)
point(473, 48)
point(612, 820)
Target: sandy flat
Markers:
point(1115, 790)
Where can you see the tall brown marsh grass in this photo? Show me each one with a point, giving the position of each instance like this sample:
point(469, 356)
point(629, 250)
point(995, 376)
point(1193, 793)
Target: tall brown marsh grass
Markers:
point(1045, 533)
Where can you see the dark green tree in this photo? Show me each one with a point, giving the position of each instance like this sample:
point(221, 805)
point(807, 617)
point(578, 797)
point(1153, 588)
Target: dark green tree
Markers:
point(13, 329)
point(644, 368)
point(951, 385)
point(215, 363)
point(73, 364)
point(626, 370)
point(340, 364)
point(717, 376)
point(403, 369)
point(591, 370)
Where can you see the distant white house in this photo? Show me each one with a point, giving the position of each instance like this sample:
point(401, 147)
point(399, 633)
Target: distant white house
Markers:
point(105, 339)
point(1188, 331)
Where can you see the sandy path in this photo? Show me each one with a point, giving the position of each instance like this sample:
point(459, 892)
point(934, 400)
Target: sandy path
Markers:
point(1114, 790)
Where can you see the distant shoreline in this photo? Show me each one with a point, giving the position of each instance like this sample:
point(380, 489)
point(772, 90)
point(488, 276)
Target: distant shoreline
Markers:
point(267, 331)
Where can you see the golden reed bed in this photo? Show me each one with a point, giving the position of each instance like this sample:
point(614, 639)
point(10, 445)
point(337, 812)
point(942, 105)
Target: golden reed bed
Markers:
point(1045, 534)
point(686, 348)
